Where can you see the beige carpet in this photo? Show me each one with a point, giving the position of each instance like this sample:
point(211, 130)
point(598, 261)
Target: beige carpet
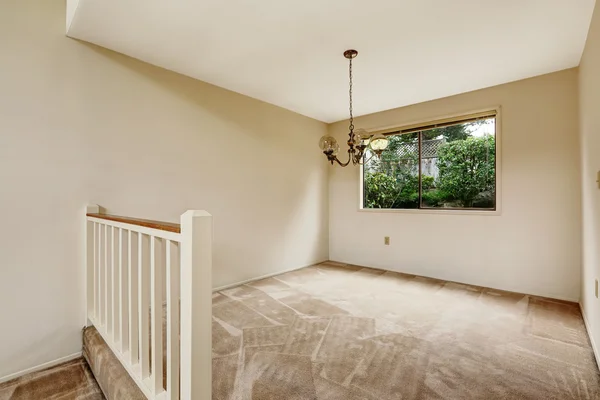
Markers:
point(69, 381)
point(339, 332)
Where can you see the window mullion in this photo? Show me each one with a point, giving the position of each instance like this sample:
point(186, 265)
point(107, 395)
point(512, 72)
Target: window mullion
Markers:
point(420, 176)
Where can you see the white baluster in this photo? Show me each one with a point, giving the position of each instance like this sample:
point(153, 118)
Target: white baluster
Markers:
point(99, 286)
point(109, 279)
point(96, 271)
point(132, 270)
point(123, 298)
point(144, 303)
point(156, 278)
point(172, 270)
point(105, 294)
point(114, 284)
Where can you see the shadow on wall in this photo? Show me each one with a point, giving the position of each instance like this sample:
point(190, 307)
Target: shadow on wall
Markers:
point(252, 117)
point(254, 166)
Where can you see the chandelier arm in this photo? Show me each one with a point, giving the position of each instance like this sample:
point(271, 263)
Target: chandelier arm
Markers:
point(347, 162)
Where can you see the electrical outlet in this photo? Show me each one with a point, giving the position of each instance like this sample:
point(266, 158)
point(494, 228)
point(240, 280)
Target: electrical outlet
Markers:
point(386, 241)
point(596, 288)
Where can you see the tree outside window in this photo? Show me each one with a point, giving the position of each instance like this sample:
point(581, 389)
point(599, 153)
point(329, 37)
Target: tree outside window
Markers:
point(452, 167)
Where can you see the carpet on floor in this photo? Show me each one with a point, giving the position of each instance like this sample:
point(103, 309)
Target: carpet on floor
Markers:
point(72, 380)
point(342, 332)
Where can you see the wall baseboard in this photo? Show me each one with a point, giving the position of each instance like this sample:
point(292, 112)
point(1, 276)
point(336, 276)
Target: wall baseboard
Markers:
point(589, 332)
point(40, 367)
point(231, 285)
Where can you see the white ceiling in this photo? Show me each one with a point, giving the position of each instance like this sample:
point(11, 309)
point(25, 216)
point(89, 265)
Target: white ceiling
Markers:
point(289, 52)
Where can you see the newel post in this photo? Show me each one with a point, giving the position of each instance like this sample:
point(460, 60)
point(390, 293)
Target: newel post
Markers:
point(89, 261)
point(196, 305)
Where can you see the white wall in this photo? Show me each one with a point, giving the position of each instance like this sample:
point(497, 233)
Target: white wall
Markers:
point(534, 246)
point(80, 125)
point(589, 100)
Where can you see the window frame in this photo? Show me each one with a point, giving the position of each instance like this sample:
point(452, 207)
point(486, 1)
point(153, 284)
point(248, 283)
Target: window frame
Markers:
point(428, 123)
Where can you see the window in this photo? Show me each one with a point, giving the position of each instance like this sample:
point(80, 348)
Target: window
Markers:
point(449, 164)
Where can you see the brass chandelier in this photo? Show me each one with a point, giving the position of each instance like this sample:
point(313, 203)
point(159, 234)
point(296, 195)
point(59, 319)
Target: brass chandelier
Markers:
point(358, 140)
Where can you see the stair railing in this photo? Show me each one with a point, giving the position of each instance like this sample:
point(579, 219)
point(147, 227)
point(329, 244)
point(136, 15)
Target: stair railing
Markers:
point(140, 272)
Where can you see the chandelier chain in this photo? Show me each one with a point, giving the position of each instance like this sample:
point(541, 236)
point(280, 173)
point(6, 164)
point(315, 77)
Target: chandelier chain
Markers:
point(350, 93)
point(357, 143)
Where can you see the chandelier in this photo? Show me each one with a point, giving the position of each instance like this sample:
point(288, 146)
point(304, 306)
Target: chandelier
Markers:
point(358, 140)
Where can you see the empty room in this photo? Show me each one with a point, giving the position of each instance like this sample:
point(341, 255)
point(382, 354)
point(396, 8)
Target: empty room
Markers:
point(318, 200)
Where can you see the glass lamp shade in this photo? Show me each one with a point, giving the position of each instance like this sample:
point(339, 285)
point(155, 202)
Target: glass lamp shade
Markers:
point(328, 143)
point(336, 149)
point(361, 137)
point(379, 142)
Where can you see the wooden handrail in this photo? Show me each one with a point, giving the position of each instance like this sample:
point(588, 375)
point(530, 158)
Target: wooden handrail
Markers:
point(164, 226)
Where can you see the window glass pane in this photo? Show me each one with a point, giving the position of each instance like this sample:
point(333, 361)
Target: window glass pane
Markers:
point(392, 181)
point(458, 166)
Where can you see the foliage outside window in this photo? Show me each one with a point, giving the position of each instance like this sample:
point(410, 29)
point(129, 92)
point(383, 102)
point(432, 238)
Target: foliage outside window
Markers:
point(449, 167)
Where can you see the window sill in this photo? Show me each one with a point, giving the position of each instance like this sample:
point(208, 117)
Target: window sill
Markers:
point(490, 213)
